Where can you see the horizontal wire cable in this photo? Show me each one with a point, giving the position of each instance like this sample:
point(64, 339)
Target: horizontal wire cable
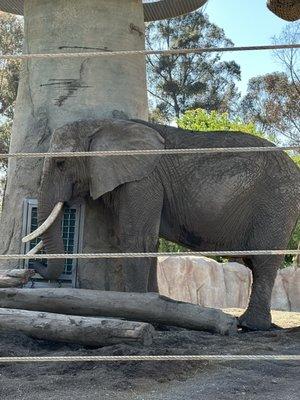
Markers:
point(148, 255)
point(227, 357)
point(109, 153)
point(168, 52)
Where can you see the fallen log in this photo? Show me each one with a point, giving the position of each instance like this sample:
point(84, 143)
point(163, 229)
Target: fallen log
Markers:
point(86, 331)
point(147, 307)
point(15, 277)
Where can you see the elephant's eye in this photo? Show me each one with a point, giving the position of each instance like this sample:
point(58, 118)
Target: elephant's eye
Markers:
point(60, 164)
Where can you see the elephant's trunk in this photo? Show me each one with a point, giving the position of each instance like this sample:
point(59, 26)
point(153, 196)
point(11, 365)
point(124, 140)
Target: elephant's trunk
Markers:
point(52, 239)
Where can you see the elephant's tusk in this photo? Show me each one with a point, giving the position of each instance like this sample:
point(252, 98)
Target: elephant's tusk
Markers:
point(45, 225)
point(36, 249)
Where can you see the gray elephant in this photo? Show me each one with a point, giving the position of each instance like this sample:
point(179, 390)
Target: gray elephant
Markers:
point(240, 201)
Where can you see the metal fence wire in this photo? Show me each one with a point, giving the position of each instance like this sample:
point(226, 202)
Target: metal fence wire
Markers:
point(167, 52)
point(109, 359)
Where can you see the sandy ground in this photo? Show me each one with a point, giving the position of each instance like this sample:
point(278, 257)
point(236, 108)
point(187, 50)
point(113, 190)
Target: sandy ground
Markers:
point(249, 380)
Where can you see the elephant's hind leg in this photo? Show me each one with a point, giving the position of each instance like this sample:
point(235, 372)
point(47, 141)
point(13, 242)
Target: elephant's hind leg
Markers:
point(271, 229)
point(264, 270)
point(138, 229)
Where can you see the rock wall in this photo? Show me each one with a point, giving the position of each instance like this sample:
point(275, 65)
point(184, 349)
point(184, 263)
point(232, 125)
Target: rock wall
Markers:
point(206, 282)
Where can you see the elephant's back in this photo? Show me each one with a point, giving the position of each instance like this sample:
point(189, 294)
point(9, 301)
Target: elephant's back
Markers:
point(277, 165)
point(212, 185)
point(277, 168)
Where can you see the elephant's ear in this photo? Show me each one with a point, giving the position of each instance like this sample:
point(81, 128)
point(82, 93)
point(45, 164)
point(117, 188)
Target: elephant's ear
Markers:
point(107, 173)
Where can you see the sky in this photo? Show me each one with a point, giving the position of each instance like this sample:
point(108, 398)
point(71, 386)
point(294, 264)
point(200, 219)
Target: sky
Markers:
point(247, 23)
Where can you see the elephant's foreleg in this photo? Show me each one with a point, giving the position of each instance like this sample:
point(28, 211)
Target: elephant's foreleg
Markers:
point(138, 229)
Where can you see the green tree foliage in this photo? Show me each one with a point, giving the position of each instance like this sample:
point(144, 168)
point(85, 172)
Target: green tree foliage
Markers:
point(289, 58)
point(272, 103)
point(180, 82)
point(166, 247)
point(5, 130)
point(201, 120)
point(11, 41)
point(294, 243)
point(297, 160)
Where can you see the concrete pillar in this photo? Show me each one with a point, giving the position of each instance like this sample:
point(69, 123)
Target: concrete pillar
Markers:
point(55, 92)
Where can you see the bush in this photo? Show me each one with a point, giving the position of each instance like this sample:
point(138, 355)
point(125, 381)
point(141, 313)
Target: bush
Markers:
point(201, 120)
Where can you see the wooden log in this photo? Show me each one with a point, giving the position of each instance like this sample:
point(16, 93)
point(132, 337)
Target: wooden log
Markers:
point(73, 329)
point(15, 278)
point(147, 307)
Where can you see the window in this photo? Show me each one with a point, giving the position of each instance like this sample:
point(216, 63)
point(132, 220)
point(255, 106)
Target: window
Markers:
point(71, 228)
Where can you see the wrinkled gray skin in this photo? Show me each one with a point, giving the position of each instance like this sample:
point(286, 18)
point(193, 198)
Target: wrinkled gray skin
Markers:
point(243, 201)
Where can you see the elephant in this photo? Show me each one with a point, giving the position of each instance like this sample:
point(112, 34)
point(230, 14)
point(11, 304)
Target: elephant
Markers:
point(215, 201)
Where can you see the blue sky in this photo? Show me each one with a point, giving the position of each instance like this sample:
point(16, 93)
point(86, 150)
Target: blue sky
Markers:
point(246, 23)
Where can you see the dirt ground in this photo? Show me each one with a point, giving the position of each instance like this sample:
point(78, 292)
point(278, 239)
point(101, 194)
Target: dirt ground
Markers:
point(249, 380)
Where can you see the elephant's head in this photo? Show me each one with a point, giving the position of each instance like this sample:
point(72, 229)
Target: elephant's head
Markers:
point(64, 179)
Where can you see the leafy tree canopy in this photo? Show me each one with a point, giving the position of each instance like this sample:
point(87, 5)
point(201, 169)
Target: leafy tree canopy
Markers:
point(272, 103)
point(11, 41)
point(202, 120)
point(272, 100)
point(180, 82)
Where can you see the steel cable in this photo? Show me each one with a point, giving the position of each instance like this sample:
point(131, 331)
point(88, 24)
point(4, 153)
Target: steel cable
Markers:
point(149, 255)
point(227, 357)
point(168, 52)
point(112, 153)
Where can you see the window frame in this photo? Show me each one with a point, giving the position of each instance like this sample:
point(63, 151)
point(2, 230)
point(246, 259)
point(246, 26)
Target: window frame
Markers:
point(28, 206)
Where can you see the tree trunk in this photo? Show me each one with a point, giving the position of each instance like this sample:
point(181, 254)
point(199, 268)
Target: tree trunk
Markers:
point(73, 329)
point(147, 307)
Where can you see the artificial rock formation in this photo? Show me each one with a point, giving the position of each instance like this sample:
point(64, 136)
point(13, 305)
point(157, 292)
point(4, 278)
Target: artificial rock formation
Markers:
point(206, 282)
